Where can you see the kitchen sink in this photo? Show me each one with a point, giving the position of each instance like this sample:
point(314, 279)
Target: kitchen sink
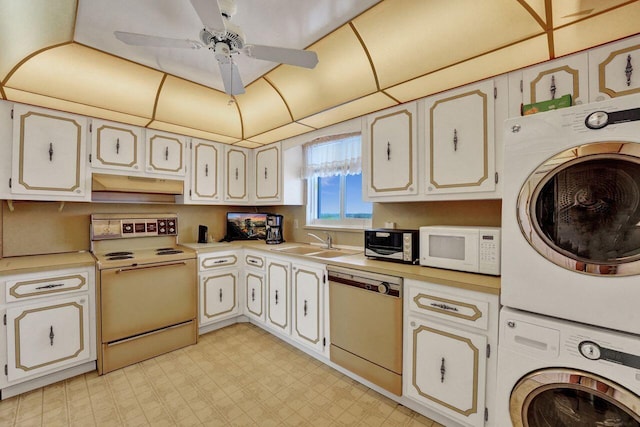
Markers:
point(298, 250)
point(333, 253)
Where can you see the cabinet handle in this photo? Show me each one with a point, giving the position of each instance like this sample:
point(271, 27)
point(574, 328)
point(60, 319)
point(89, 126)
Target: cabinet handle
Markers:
point(51, 335)
point(444, 306)
point(166, 153)
point(265, 173)
point(51, 151)
point(628, 70)
point(253, 294)
point(276, 297)
point(236, 174)
point(388, 150)
point(118, 146)
point(220, 261)
point(51, 286)
point(455, 140)
point(206, 169)
point(442, 371)
point(304, 308)
point(553, 87)
point(220, 294)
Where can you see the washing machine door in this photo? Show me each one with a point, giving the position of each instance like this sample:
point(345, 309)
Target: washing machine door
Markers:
point(571, 398)
point(581, 209)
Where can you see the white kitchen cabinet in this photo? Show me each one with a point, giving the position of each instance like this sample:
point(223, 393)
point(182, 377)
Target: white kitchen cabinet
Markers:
point(308, 283)
point(390, 153)
point(254, 281)
point(614, 70)
point(278, 297)
point(268, 161)
point(219, 283)
point(116, 146)
point(6, 136)
point(205, 177)
point(165, 153)
point(50, 324)
point(218, 296)
point(236, 174)
point(48, 160)
point(449, 337)
point(460, 141)
point(551, 80)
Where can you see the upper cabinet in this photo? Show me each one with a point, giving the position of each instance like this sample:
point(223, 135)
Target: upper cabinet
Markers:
point(205, 177)
point(460, 140)
point(236, 179)
point(390, 152)
point(267, 174)
point(614, 70)
point(116, 146)
point(165, 153)
point(48, 160)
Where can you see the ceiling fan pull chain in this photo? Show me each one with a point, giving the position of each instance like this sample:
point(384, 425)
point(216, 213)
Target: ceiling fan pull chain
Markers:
point(628, 70)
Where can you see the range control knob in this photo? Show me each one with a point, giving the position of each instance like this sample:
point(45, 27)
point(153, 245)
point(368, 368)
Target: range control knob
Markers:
point(383, 288)
point(590, 350)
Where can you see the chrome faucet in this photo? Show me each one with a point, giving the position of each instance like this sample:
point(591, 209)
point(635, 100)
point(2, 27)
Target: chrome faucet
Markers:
point(328, 242)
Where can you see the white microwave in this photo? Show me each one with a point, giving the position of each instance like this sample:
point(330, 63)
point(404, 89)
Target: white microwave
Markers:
point(473, 249)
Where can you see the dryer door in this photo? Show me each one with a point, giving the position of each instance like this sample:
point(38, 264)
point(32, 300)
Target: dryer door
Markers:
point(581, 209)
point(571, 398)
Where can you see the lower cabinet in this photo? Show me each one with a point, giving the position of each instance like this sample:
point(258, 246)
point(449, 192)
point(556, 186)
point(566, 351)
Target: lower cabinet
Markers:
point(254, 286)
point(278, 297)
point(218, 296)
point(309, 285)
point(49, 325)
point(448, 337)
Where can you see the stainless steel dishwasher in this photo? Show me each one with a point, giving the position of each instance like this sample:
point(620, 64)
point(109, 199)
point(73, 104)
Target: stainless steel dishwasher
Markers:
point(366, 325)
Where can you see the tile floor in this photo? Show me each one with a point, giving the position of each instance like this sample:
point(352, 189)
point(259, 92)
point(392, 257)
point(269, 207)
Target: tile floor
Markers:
point(236, 376)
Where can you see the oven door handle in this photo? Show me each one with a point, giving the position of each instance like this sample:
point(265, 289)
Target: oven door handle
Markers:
point(145, 267)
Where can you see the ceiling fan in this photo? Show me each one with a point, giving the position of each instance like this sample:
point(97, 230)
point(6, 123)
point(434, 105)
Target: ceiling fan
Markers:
point(225, 40)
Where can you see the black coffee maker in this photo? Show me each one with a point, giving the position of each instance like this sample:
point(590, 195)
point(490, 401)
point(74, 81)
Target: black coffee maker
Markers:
point(274, 229)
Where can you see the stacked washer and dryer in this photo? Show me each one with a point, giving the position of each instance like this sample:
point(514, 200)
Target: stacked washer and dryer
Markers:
point(569, 352)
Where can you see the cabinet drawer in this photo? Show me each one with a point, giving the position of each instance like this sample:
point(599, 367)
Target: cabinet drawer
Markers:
point(33, 286)
point(255, 261)
point(217, 260)
point(454, 308)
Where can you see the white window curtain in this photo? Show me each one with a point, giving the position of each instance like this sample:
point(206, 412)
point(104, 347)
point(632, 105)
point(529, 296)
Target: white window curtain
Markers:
point(334, 155)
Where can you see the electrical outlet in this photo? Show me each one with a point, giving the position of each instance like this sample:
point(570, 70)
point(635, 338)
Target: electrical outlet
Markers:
point(295, 223)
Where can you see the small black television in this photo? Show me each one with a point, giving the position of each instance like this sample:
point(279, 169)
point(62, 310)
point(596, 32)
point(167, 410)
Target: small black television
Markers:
point(246, 226)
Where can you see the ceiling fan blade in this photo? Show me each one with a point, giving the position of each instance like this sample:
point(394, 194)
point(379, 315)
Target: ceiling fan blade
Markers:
point(231, 77)
point(283, 55)
point(210, 15)
point(155, 41)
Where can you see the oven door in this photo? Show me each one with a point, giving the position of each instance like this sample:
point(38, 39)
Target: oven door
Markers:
point(565, 397)
point(136, 300)
point(581, 209)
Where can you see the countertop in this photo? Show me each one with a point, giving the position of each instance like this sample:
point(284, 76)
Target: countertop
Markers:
point(474, 282)
point(32, 263)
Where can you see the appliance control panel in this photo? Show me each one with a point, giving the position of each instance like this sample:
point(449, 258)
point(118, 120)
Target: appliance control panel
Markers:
point(122, 228)
point(489, 251)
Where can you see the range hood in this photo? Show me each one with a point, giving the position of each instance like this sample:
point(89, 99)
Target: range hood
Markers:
point(134, 189)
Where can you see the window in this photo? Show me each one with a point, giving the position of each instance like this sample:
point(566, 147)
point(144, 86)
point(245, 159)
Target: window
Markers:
point(333, 170)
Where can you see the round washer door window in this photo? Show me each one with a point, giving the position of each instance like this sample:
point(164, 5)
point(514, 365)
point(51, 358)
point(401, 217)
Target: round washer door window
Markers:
point(570, 398)
point(581, 209)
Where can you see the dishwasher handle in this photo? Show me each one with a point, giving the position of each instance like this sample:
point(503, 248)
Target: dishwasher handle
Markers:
point(381, 287)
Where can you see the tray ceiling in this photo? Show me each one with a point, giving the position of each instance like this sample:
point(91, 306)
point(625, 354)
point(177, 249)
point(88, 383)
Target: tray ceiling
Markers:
point(372, 55)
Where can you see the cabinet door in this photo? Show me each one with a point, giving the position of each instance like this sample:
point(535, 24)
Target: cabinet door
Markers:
point(611, 70)
point(165, 153)
point(307, 283)
point(115, 146)
point(206, 171)
point(278, 295)
point(267, 174)
point(218, 296)
point(391, 150)
point(48, 336)
point(254, 285)
point(460, 153)
point(551, 80)
point(48, 154)
point(236, 163)
point(447, 370)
